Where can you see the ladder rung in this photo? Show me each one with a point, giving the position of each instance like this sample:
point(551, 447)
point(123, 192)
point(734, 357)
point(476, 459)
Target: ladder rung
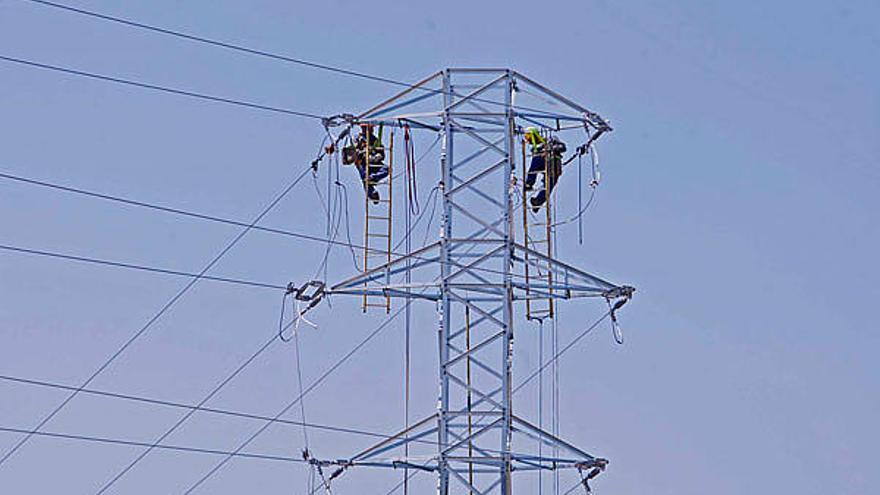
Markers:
point(374, 217)
point(370, 234)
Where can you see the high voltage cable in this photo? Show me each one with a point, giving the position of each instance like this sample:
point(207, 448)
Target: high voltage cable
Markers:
point(210, 410)
point(263, 53)
point(156, 316)
point(211, 218)
point(155, 87)
point(132, 266)
point(183, 419)
point(116, 441)
point(295, 401)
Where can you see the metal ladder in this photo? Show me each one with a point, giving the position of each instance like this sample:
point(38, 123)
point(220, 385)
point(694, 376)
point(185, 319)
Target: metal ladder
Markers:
point(539, 239)
point(377, 225)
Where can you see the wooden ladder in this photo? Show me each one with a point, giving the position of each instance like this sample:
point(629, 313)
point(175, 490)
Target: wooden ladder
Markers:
point(538, 238)
point(377, 226)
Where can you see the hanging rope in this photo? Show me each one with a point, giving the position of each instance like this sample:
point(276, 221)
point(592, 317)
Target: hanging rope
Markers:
point(411, 184)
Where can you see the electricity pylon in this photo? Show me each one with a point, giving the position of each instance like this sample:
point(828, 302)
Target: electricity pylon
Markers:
point(475, 275)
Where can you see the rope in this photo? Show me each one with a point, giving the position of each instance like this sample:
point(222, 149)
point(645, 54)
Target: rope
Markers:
point(412, 189)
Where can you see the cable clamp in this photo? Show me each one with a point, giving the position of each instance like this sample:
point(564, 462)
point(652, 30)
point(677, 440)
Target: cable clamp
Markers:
point(337, 120)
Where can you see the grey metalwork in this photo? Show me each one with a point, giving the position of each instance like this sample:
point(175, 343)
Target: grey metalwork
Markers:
point(481, 272)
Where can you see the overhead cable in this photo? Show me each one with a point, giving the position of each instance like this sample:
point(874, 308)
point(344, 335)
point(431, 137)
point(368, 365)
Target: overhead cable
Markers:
point(155, 87)
point(168, 305)
point(132, 266)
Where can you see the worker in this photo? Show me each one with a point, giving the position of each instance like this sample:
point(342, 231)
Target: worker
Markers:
point(542, 149)
point(372, 169)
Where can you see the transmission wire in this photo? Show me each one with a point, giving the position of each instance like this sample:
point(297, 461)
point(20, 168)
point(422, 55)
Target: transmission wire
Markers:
point(156, 316)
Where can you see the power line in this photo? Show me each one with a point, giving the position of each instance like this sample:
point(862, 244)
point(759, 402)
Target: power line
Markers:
point(132, 266)
point(221, 44)
point(210, 218)
point(154, 87)
point(180, 448)
point(295, 401)
point(210, 410)
point(183, 419)
point(156, 316)
point(264, 53)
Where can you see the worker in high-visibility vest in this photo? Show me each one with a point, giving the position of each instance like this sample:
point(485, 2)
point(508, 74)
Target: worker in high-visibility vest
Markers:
point(372, 169)
point(543, 149)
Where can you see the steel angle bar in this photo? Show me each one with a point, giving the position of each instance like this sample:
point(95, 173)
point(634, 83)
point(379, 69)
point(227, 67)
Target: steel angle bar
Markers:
point(365, 277)
point(555, 440)
point(404, 116)
point(591, 291)
point(475, 349)
point(562, 99)
point(479, 363)
point(473, 240)
point(401, 104)
point(398, 122)
point(563, 267)
point(486, 398)
point(537, 122)
point(494, 484)
point(491, 394)
point(558, 460)
point(495, 290)
point(473, 324)
point(554, 117)
point(475, 218)
point(476, 137)
point(398, 96)
point(473, 436)
point(473, 94)
point(465, 412)
point(476, 115)
point(466, 268)
point(478, 309)
point(381, 292)
point(471, 118)
point(458, 477)
point(476, 154)
point(459, 437)
point(476, 177)
point(465, 70)
point(370, 451)
point(479, 193)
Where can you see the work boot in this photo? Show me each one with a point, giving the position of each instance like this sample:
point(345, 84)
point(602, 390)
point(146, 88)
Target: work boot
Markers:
point(373, 194)
point(536, 202)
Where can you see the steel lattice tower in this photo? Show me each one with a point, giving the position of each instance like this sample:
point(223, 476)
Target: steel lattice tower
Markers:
point(475, 275)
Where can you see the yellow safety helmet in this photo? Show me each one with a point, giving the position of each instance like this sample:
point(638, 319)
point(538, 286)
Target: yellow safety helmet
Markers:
point(533, 135)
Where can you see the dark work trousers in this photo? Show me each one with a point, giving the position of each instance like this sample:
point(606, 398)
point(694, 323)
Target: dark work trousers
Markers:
point(377, 173)
point(551, 177)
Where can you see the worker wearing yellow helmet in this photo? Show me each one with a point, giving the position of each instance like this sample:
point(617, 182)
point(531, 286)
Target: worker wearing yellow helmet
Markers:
point(546, 159)
point(372, 168)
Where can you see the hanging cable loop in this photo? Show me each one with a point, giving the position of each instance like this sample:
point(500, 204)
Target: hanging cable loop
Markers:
point(620, 296)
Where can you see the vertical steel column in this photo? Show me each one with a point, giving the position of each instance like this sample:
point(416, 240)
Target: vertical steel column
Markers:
point(446, 159)
point(507, 355)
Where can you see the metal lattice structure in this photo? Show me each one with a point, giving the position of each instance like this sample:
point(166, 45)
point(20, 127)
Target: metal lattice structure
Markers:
point(476, 275)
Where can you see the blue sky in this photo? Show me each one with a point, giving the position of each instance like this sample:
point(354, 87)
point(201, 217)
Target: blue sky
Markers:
point(739, 194)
